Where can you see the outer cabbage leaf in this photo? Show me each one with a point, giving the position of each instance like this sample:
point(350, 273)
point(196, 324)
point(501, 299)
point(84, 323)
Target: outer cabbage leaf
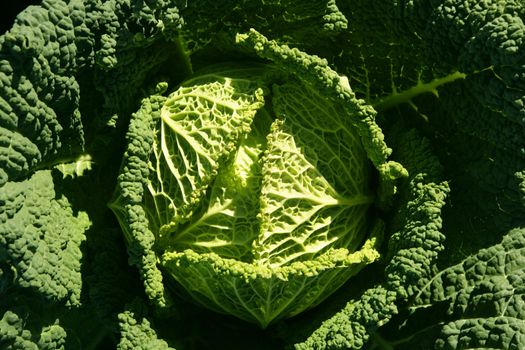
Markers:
point(14, 336)
point(127, 204)
point(477, 303)
point(40, 237)
point(136, 330)
point(305, 23)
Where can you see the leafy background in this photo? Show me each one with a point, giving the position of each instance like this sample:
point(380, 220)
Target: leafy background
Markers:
point(475, 298)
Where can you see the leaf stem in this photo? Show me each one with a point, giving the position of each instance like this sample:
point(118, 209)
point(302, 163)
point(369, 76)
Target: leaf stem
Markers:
point(397, 98)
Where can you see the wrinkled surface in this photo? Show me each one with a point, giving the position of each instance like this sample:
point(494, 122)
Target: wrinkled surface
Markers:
point(257, 212)
point(73, 72)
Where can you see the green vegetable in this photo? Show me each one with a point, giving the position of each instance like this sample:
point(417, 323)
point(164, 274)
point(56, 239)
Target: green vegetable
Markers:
point(259, 212)
point(344, 174)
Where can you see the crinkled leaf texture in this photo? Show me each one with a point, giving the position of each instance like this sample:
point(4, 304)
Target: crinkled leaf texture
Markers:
point(259, 212)
point(413, 251)
point(136, 330)
point(14, 336)
point(72, 71)
point(477, 303)
point(40, 237)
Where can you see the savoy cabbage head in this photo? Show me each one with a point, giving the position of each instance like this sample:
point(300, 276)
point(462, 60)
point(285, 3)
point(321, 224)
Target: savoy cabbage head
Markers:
point(257, 192)
point(274, 174)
